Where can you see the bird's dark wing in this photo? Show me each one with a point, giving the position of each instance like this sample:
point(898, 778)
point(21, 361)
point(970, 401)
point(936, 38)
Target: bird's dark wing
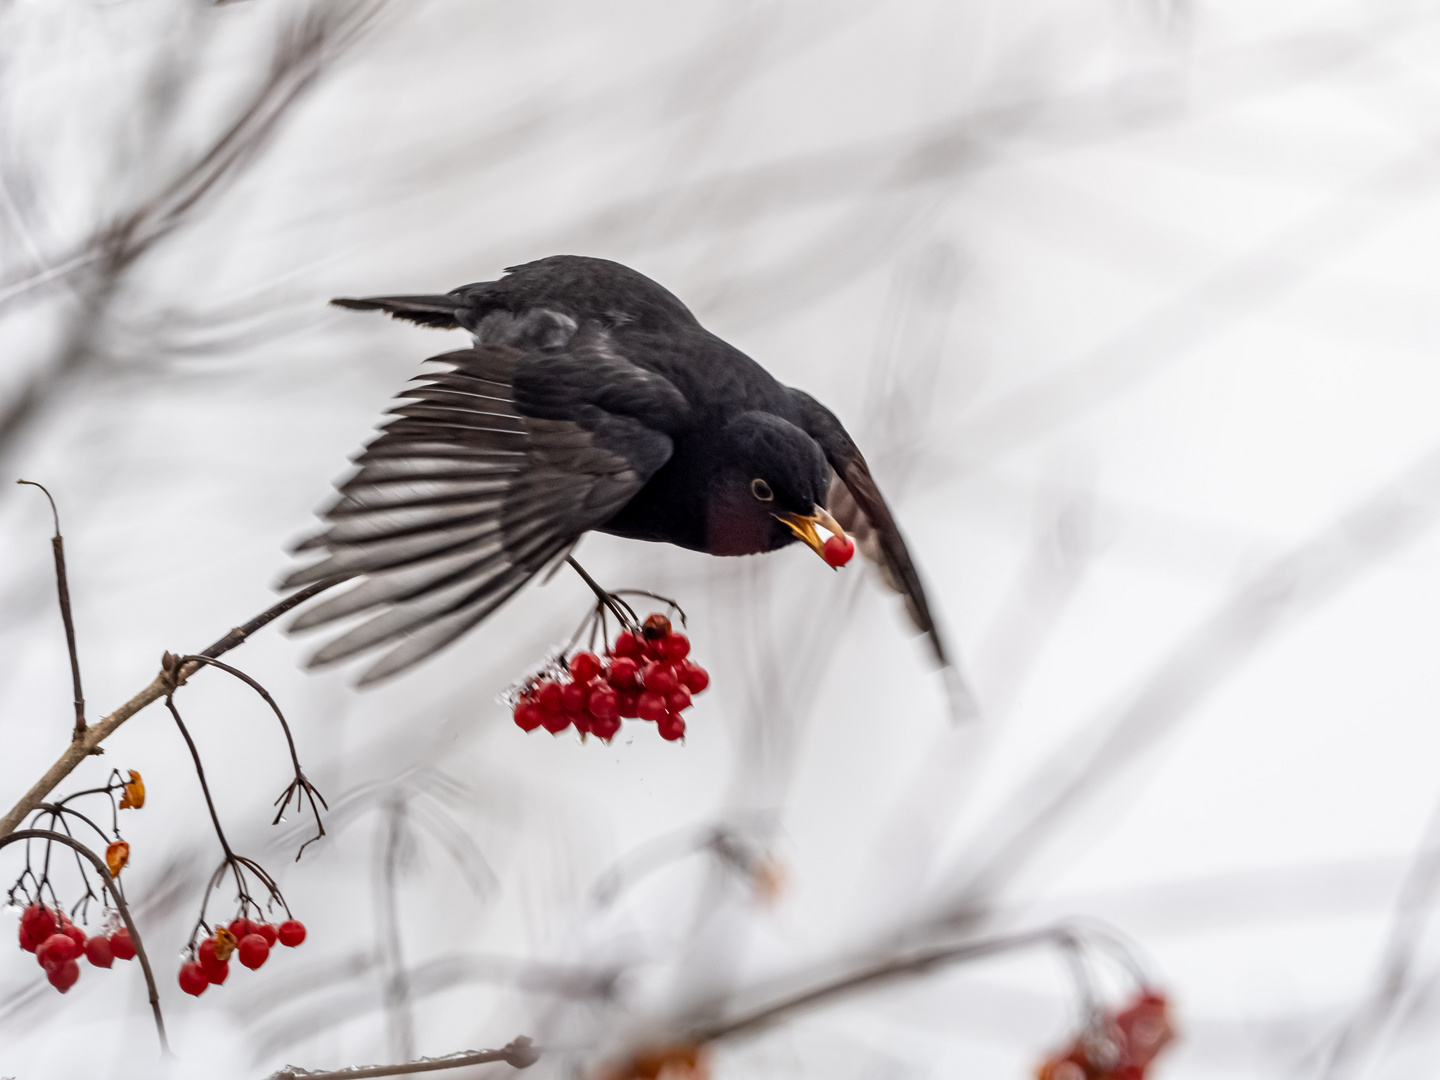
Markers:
point(489, 471)
point(857, 504)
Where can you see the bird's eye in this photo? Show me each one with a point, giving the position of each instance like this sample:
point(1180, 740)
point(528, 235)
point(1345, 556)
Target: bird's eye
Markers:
point(761, 490)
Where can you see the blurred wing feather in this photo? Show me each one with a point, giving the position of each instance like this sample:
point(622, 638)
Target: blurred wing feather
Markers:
point(463, 498)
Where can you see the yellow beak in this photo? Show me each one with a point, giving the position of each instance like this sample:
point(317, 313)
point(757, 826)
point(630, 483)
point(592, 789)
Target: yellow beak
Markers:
point(803, 526)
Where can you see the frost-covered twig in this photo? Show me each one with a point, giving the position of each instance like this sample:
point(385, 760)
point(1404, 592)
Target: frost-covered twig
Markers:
point(520, 1053)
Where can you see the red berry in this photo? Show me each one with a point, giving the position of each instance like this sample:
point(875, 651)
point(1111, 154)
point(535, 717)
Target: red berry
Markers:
point(36, 924)
point(623, 672)
point(98, 952)
point(547, 696)
point(660, 677)
point(651, 706)
point(121, 945)
point(241, 927)
point(581, 721)
point(676, 647)
point(192, 978)
point(678, 700)
point(268, 932)
point(63, 976)
point(629, 705)
point(838, 550)
point(555, 722)
point(292, 932)
point(606, 728)
point(584, 666)
point(695, 677)
point(528, 716)
point(75, 934)
point(572, 697)
point(215, 969)
point(56, 949)
point(627, 645)
point(604, 704)
point(253, 950)
point(671, 727)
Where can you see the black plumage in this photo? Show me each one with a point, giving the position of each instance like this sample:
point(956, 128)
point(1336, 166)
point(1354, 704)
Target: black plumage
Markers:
point(591, 399)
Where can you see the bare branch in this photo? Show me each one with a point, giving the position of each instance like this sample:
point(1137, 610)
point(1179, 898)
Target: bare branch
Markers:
point(97, 733)
point(62, 585)
point(519, 1053)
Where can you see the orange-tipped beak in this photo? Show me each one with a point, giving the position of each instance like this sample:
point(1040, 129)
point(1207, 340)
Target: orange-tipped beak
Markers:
point(803, 526)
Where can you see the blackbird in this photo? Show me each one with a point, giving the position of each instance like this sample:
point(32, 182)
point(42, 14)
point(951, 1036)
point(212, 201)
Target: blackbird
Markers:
point(591, 399)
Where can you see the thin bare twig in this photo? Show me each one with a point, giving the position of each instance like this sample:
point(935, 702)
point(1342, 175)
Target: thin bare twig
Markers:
point(97, 733)
point(115, 894)
point(57, 542)
point(1066, 938)
point(301, 787)
point(519, 1053)
point(1364, 1028)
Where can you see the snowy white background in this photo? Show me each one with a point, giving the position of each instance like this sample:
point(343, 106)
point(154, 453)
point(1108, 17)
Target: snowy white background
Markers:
point(1129, 302)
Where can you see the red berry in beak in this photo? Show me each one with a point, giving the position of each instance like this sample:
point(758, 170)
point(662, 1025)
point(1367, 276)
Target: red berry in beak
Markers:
point(584, 666)
point(98, 952)
point(63, 976)
point(839, 550)
point(192, 978)
point(291, 932)
point(121, 945)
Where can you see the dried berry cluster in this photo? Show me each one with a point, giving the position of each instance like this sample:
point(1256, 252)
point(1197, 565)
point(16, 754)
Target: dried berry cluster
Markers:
point(247, 940)
point(58, 945)
point(1119, 1046)
point(646, 675)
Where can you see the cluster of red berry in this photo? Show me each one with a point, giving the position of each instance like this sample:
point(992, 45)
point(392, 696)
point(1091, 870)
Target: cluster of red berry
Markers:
point(646, 676)
point(58, 944)
point(246, 939)
point(1121, 1047)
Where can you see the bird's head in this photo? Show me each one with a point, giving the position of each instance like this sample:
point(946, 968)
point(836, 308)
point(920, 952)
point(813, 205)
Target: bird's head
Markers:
point(770, 490)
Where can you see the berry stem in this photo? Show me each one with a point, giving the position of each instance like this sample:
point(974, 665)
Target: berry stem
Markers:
point(300, 788)
point(604, 597)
